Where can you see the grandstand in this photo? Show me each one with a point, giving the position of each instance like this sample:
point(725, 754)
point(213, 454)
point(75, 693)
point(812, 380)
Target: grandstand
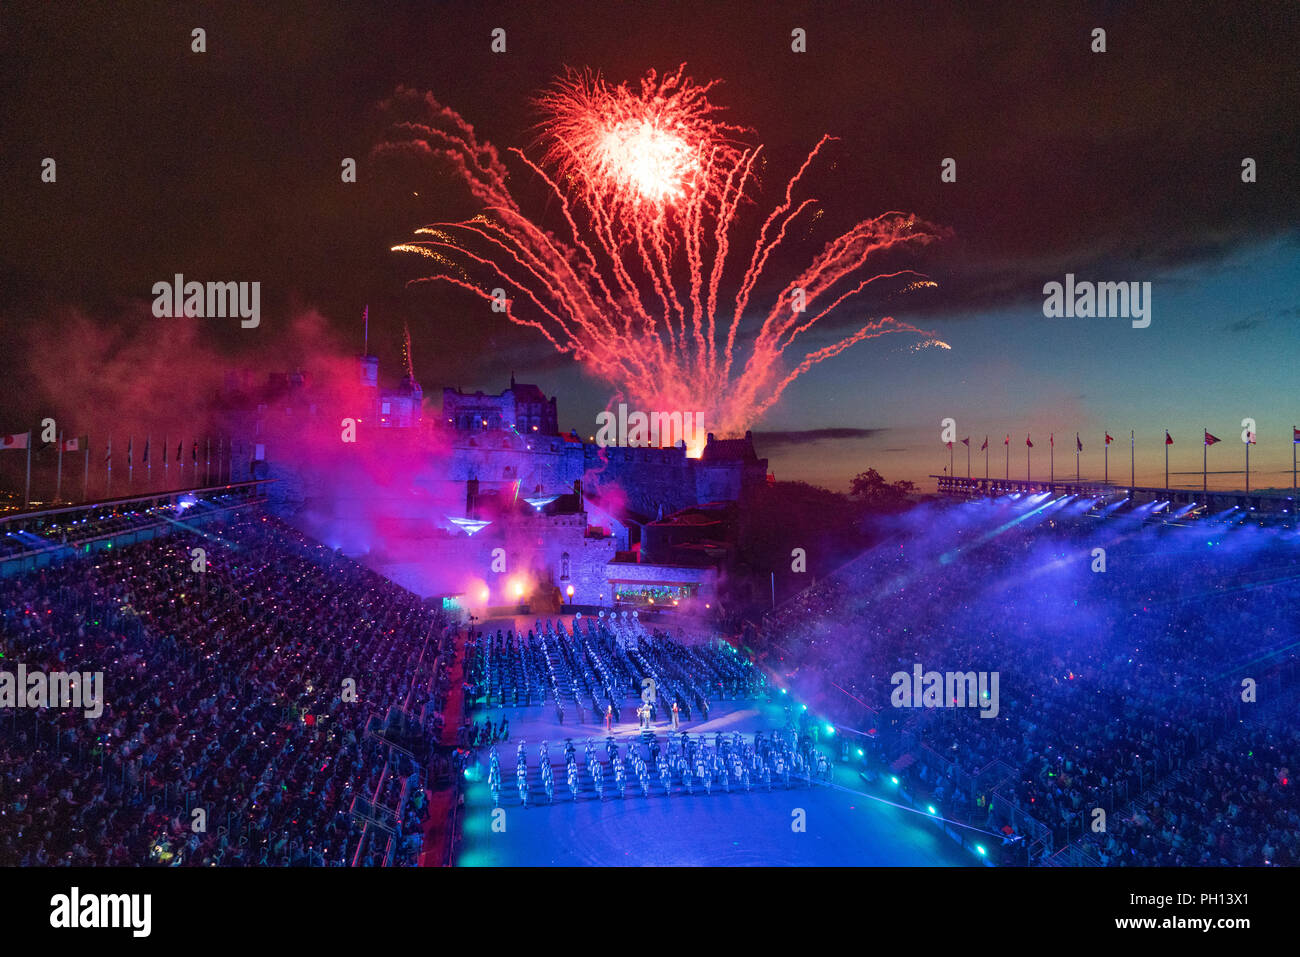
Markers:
point(1127, 687)
point(276, 703)
point(279, 707)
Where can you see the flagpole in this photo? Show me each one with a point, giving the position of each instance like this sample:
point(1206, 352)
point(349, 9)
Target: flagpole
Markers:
point(968, 461)
point(148, 463)
point(130, 461)
point(1293, 445)
point(27, 495)
point(58, 484)
point(1132, 458)
point(1248, 465)
point(986, 458)
point(85, 479)
point(1106, 480)
point(108, 461)
point(950, 468)
point(1077, 450)
point(1008, 445)
point(164, 448)
point(1051, 459)
point(1205, 461)
point(1028, 449)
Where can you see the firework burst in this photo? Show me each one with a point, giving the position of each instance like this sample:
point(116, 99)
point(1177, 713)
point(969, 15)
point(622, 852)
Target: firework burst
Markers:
point(648, 183)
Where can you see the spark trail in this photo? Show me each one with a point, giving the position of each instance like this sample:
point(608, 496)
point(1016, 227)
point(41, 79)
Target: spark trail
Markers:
point(647, 184)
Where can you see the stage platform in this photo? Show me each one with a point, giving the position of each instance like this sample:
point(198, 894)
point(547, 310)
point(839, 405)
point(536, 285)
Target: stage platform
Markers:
point(844, 826)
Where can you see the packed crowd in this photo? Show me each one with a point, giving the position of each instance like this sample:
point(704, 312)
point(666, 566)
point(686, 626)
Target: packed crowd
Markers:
point(255, 693)
point(1119, 689)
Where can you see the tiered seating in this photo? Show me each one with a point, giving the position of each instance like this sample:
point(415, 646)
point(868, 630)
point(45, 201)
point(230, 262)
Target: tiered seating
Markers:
point(229, 691)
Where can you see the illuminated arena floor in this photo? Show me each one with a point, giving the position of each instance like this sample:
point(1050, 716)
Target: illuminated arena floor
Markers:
point(844, 827)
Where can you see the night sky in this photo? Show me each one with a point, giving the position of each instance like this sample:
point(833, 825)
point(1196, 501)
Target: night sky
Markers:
point(1115, 166)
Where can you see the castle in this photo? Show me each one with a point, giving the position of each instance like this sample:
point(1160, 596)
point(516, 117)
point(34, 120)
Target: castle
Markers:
point(488, 503)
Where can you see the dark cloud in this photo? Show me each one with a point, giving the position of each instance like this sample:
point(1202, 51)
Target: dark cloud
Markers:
point(776, 440)
point(225, 165)
point(1257, 319)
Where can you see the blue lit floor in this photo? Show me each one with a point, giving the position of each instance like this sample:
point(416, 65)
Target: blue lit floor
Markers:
point(843, 828)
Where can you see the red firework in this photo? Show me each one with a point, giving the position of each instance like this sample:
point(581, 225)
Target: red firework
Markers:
point(640, 153)
point(648, 184)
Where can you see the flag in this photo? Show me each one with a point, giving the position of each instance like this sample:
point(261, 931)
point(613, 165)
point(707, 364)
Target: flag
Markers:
point(76, 444)
point(1007, 440)
point(18, 441)
point(1169, 439)
point(986, 443)
point(1051, 440)
point(130, 449)
point(949, 444)
point(179, 447)
point(144, 458)
point(1210, 439)
point(194, 452)
point(1250, 438)
point(1028, 443)
point(1078, 443)
point(1109, 438)
point(108, 452)
point(966, 441)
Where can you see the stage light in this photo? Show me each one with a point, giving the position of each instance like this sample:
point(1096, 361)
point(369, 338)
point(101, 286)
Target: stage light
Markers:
point(469, 525)
point(830, 729)
point(930, 808)
point(980, 849)
point(893, 780)
point(860, 754)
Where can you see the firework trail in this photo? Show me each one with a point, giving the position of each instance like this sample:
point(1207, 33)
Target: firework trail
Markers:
point(648, 183)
